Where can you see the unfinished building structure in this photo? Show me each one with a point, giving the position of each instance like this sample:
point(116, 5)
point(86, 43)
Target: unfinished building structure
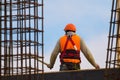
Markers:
point(21, 38)
point(22, 49)
point(113, 50)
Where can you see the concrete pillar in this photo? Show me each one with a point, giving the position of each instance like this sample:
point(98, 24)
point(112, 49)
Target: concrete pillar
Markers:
point(118, 31)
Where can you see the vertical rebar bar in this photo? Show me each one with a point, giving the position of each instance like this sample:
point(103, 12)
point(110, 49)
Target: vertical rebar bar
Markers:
point(0, 40)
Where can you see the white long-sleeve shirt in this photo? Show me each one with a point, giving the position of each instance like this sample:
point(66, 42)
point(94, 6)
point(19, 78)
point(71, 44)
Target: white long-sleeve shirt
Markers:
point(83, 49)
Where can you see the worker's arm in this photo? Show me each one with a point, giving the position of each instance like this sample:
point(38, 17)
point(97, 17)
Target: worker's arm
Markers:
point(88, 54)
point(54, 55)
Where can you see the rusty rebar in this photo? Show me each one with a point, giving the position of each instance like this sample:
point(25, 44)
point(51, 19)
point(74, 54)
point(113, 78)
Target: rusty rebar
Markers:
point(21, 38)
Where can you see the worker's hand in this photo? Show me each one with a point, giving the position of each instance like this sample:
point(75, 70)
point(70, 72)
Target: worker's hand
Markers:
point(97, 66)
point(49, 66)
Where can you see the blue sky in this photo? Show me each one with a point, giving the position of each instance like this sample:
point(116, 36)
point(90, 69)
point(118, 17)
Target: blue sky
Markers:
point(91, 19)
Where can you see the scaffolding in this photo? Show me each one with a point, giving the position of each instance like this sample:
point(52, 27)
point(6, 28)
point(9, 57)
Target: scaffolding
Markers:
point(113, 50)
point(21, 38)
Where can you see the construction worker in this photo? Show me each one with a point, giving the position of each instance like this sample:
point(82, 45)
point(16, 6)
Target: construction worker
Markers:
point(69, 47)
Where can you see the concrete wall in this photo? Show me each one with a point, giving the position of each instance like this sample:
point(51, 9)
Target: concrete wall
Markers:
point(101, 74)
point(114, 74)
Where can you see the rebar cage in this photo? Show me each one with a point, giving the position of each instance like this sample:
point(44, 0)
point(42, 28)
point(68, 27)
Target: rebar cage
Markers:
point(113, 50)
point(21, 37)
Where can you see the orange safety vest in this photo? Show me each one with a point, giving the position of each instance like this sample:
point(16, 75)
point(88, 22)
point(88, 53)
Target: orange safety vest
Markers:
point(68, 52)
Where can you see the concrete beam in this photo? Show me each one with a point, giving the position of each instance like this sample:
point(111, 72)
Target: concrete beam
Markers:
point(101, 74)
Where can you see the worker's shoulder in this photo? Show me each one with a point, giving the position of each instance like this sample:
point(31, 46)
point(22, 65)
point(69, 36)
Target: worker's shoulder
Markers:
point(76, 35)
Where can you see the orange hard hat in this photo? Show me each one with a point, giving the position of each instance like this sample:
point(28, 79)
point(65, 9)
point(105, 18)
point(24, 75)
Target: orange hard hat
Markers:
point(70, 27)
